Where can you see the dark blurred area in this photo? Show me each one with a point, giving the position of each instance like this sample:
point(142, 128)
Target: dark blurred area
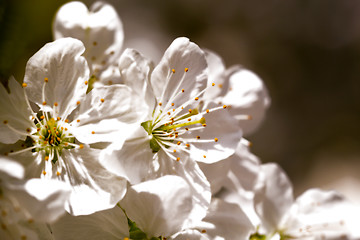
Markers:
point(306, 51)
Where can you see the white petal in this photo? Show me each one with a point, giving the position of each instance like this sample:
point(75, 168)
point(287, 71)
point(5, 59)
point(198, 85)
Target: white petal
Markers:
point(14, 112)
point(105, 115)
point(273, 196)
point(159, 207)
point(94, 188)
point(324, 214)
point(66, 71)
point(43, 199)
point(10, 168)
point(220, 125)
point(247, 95)
point(181, 54)
point(216, 173)
point(105, 225)
point(135, 70)
point(226, 221)
point(133, 161)
point(100, 29)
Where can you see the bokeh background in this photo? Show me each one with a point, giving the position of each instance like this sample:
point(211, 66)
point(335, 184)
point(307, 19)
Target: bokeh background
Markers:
point(306, 51)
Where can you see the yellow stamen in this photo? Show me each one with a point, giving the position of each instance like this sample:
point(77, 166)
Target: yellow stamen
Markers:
point(186, 69)
point(173, 70)
point(216, 139)
point(46, 79)
point(24, 85)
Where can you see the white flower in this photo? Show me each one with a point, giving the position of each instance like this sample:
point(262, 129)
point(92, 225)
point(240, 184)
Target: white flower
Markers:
point(315, 214)
point(158, 209)
point(100, 29)
point(242, 90)
point(26, 205)
point(55, 138)
point(177, 129)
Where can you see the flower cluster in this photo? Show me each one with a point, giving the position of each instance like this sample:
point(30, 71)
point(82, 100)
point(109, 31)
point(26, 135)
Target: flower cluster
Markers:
point(99, 142)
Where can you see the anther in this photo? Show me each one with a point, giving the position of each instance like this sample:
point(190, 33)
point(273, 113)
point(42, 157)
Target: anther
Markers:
point(204, 125)
point(178, 159)
point(92, 132)
point(224, 106)
point(204, 156)
point(24, 85)
point(174, 151)
point(46, 158)
point(173, 70)
point(216, 139)
point(172, 104)
point(196, 98)
point(42, 117)
point(102, 100)
point(186, 69)
point(160, 103)
point(220, 85)
point(58, 118)
point(78, 120)
point(44, 103)
point(5, 122)
point(46, 79)
point(43, 172)
point(86, 82)
point(183, 90)
point(190, 110)
point(203, 231)
point(197, 137)
point(187, 145)
point(207, 110)
point(178, 143)
point(57, 173)
point(93, 58)
point(66, 120)
point(23, 237)
point(112, 53)
point(187, 129)
point(168, 113)
point(56, 104)
point(213, 84)
point(78, 102)
point(28, 130)
point(94, 43)
point(81, 146)
point(189, 119)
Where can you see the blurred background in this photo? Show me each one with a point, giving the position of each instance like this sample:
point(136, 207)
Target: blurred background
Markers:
point(306, 51)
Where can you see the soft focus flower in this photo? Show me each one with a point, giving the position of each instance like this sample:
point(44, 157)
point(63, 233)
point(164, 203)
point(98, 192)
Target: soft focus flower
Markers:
point(27, 205)
point(242, 90)
point(315, 214)
point(55, 135)
point(99, 28)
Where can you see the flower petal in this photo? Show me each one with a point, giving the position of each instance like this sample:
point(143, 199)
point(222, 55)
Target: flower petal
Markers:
point(93, 187)
point(61, 68)
point(247, 95)
point(14, 113)
point(181, 54)
point(273, 196)
point(105, 115)
point(159, 207)
point(109, 224)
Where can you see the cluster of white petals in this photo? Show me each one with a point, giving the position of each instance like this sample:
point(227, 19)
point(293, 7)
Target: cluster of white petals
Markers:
point(98, 142)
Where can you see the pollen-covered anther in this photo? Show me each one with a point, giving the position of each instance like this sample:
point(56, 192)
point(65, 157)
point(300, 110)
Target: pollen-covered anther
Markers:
point(81, 146)
point(173, 70)
point(187, 129)
point(78, 102)
point(102, 100)
point(46, 158)
point(160, 103)
point(196, 98)
point(183, 90)
point(5, 122)
point(44, 172)
point(57, 173)
point(94, 43)
point(207, 110)
point(216, 139)
point(78, 120)
point(42, 117)
point(197, 137)
point(169, 113)
point(190, 110)
point(204, 125)
point(28, 130)
point(44, 103)
point(178, 143)
point(224, 106)
point(186, 69)
point(178, 159)
point(213, 84)
point(58, 118)
point(172, 104)
point(86, 82)
point(174, 150)
point(46, 79)
point(203, 231)
point(24, 85)
point(66, 120)
point(189, 119)
point(92, 132)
